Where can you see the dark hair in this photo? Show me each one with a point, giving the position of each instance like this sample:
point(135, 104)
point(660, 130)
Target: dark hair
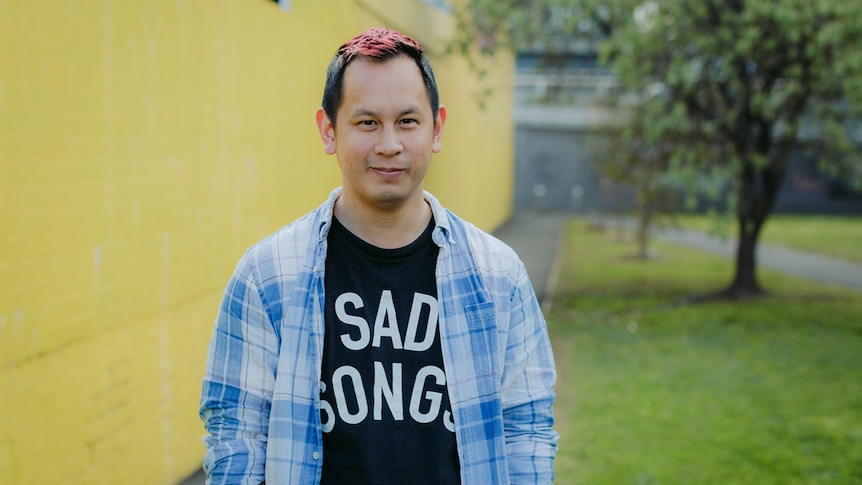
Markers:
point(379, 45)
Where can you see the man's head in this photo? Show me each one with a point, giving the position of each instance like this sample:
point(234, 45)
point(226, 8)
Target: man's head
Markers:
point(376, 45)
point(390, 122)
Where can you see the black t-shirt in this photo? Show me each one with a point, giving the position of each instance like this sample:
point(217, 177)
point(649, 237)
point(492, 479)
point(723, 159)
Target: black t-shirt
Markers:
point(385, 409)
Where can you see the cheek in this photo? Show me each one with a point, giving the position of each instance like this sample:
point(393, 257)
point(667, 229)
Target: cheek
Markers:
point(417, 141)
point(357, 145)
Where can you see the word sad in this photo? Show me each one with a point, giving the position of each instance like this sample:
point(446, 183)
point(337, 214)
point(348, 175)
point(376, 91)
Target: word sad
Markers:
point(386, 323)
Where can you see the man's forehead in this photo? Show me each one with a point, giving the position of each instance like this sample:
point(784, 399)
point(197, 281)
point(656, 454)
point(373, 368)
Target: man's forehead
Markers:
point(363, 66)
point(396, 84)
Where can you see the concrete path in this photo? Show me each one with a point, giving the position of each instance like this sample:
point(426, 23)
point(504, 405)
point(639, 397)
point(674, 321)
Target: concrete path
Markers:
point(535, 236)
point(814, 267)
point(810, 266)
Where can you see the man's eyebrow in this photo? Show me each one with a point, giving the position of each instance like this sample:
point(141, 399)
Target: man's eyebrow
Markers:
point(412, 110)
point(364, 112)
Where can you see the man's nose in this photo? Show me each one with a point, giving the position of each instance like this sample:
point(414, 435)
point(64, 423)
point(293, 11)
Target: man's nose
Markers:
point(389, 143)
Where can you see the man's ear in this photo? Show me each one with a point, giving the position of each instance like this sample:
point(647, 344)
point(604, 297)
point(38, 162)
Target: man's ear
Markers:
point(438, 129)
point(327, 131)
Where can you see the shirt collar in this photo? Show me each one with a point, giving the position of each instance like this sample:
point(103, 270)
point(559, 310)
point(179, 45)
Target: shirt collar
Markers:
point(442, 234)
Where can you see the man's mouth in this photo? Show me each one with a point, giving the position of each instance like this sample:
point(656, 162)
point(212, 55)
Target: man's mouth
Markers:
point(388, 172)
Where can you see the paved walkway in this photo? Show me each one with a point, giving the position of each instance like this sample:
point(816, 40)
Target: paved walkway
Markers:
point(535, 236)
point(814, 267)
point(810, 266)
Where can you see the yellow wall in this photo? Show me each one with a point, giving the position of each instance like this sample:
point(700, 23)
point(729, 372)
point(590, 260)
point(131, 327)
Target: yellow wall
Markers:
point(143, 146)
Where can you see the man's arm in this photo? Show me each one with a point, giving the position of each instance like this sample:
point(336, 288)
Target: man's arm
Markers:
point(528, 391)
point(237, 388)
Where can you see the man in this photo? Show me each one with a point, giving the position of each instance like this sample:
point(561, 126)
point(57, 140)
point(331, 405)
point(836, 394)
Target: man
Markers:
point(380, 338)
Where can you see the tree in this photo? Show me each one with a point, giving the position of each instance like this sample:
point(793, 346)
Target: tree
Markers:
point(743, 83)
point(642, 163)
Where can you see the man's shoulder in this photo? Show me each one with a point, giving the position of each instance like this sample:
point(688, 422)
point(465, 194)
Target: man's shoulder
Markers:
point(297, 235)
point(287, 250)
point(480, 238)
point(296, 232)
point(489, 250)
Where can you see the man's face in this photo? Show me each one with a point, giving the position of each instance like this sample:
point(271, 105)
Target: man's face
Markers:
point(385, 133)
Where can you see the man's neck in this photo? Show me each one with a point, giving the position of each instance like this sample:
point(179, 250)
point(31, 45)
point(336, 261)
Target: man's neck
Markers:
point(387, 228)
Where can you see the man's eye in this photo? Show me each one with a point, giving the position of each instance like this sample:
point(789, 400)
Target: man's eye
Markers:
point(408, 121)
point(367, 123)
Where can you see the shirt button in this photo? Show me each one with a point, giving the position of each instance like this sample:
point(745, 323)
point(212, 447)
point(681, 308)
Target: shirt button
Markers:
point(315, 455)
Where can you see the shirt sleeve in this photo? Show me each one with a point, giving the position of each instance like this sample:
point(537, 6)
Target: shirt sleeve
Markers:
point(528, 391)
point(238, 384)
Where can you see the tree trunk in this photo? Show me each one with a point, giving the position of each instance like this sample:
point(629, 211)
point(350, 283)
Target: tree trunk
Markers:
point(759, 185)
point(644, 217)
point(643, 232)
point(745, 283)
point(757, 192)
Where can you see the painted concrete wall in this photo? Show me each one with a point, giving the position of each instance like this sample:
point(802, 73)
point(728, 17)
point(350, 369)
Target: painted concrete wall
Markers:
point(143, 146)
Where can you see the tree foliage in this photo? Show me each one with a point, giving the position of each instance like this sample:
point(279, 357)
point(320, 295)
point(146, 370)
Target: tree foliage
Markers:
point(740, 85)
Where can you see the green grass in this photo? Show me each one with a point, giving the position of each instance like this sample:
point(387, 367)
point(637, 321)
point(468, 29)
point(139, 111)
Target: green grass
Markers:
point(653, 390)
point(835, 236)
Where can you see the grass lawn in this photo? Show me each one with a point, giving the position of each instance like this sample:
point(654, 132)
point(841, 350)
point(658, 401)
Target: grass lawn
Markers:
point(656, 391)
point(836, 236)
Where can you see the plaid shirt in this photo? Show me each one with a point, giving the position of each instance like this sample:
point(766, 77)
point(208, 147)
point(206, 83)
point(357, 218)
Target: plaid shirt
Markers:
point(261, 399)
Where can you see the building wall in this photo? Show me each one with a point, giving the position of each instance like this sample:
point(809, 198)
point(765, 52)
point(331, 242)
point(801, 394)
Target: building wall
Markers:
point(554, 171)
point(143, 147)
point(560, 113)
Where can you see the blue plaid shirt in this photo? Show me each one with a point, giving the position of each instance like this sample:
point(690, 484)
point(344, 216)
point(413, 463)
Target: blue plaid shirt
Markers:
point(261, 399)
